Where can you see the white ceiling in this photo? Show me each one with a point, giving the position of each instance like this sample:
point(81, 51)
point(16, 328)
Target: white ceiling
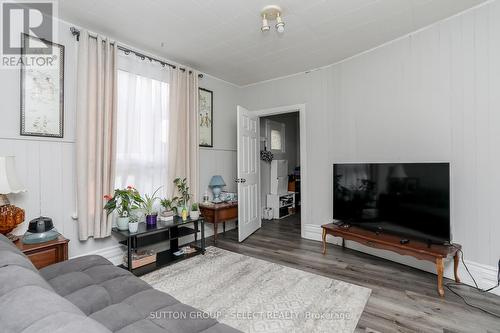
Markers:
point(223, 37)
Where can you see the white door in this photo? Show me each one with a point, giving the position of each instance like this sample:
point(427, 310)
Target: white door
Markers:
point(248, 173)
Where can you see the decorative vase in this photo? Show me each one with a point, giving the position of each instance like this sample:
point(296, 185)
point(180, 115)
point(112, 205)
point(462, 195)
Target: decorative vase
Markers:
point(184, 213)
point(151, 220)
point(133, 226)
point(122, 223)
point(194, 214)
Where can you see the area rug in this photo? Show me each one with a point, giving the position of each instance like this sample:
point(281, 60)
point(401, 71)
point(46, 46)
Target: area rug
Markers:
point(255, 295)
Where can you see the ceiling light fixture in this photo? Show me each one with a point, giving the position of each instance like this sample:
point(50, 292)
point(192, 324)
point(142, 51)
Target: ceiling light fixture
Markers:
point(265, 24)
point(272, 13)
point(280, 25)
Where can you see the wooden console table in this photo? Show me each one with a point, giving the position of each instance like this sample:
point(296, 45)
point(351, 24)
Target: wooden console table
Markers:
point(45, 254)
point(385, 241)
point(219, 213)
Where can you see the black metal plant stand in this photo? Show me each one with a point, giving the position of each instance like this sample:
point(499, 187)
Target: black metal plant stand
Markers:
point(164, 231)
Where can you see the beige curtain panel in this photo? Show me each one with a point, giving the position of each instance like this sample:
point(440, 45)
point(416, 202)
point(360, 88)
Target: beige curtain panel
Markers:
point(183, 160)
point(96, 133)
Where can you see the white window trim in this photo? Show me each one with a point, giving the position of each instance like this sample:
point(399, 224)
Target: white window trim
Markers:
point(274, 125)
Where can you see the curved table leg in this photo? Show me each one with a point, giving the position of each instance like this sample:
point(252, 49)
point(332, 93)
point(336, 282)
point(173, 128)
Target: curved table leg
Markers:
point(324, 240)
point(456, 261)
point(440, 271)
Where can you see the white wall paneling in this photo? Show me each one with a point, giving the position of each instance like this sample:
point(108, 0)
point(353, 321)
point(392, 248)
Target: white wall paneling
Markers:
point(221, 159)
point(430, 96)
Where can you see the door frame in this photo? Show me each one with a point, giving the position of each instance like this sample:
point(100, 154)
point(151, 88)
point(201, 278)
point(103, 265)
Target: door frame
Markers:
point(301, 108)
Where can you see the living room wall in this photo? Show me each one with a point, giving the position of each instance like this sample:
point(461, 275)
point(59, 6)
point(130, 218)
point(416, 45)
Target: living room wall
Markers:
point(429, 96)
point(46, 166)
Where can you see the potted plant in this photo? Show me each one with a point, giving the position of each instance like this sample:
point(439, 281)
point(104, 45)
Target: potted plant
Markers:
point(195, 211)
point(133, 224)
point(184, 196)
point(123, 202)
point(148, 207)
point(169, 205)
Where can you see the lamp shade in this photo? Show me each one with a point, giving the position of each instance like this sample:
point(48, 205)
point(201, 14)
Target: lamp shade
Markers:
point(9, 182)
point(216, 181)
point(399, 172)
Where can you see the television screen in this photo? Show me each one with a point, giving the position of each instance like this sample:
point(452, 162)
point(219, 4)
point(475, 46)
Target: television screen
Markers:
point(408, 199)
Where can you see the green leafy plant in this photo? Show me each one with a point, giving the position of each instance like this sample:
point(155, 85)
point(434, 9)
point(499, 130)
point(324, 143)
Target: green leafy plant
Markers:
point(148, 202)
point(183, 190)
point(169, 204)
point(194, 207)
point(123, 201)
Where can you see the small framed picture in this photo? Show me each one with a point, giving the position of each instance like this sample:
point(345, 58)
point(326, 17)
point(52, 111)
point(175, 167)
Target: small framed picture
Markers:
point(206, 106)
point(42, 92)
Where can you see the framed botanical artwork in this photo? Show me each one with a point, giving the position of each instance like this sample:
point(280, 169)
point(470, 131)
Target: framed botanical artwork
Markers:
point(206, 106)
point(42, 91)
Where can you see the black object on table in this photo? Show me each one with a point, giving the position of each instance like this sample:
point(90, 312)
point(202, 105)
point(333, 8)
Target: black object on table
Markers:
point(163, 231)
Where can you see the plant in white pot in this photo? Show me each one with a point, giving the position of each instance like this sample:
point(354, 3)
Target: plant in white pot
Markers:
point(148, 207)
point(195, 211)
point(123, 202)
point(169, 205)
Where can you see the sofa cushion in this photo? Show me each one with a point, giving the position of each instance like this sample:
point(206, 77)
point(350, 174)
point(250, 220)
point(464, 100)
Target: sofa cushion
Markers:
point(29, 304)
point(122, 302)
point(14, 277)
point(62, 322)
point(10, 255)
point(25, 309)
point(92, 283)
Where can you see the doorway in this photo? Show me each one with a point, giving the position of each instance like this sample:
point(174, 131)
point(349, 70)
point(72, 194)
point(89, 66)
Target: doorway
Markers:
point(247, 156)
point(280, 166)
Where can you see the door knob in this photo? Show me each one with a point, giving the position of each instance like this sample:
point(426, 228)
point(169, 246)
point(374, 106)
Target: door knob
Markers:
point(240, 180)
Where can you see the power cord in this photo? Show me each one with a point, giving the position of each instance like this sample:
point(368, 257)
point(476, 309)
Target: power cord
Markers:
point(453, 284)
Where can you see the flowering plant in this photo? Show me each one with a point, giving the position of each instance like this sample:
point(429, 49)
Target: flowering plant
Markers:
point(123, 201)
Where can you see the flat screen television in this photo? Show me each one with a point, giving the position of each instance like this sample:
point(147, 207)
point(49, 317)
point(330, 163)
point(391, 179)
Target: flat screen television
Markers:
point(408, 199)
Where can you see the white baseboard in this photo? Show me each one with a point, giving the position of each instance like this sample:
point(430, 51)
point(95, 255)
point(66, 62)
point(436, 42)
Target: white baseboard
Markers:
point(485, 275)
point(112, 253)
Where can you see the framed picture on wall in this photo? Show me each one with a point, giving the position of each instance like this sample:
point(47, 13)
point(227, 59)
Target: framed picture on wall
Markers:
point(206, 106)
point(42, 91)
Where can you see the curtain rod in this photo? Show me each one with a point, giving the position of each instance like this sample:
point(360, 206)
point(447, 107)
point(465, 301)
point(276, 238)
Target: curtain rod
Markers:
point(76, 32)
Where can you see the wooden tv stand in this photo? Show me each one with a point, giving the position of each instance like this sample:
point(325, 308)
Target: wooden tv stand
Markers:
point(385, 241)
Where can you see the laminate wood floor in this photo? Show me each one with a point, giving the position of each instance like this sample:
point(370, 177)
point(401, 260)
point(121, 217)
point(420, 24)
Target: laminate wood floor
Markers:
point(403, 299)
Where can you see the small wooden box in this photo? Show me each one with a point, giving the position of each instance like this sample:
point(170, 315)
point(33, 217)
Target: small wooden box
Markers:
point(141, 258)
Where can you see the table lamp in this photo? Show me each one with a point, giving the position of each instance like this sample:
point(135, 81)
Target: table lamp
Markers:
point(10, 215)
point(216, 184)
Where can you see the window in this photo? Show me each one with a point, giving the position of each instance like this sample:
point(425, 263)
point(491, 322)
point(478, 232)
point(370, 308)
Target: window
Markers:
point(275, 140)
point(275, 135)
point(142, 125)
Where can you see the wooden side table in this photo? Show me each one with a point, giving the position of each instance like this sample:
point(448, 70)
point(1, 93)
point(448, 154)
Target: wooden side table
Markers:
point(216, 213)
point(45, 254)
point(386, 241)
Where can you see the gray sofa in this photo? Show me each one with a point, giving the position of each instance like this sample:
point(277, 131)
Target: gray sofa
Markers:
point(87, 294)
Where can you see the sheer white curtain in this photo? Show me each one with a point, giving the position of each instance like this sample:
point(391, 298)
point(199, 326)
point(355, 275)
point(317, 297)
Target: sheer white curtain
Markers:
point(142, 125)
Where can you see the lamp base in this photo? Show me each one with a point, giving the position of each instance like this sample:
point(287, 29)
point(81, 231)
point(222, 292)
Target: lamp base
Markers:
point(4, 200)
